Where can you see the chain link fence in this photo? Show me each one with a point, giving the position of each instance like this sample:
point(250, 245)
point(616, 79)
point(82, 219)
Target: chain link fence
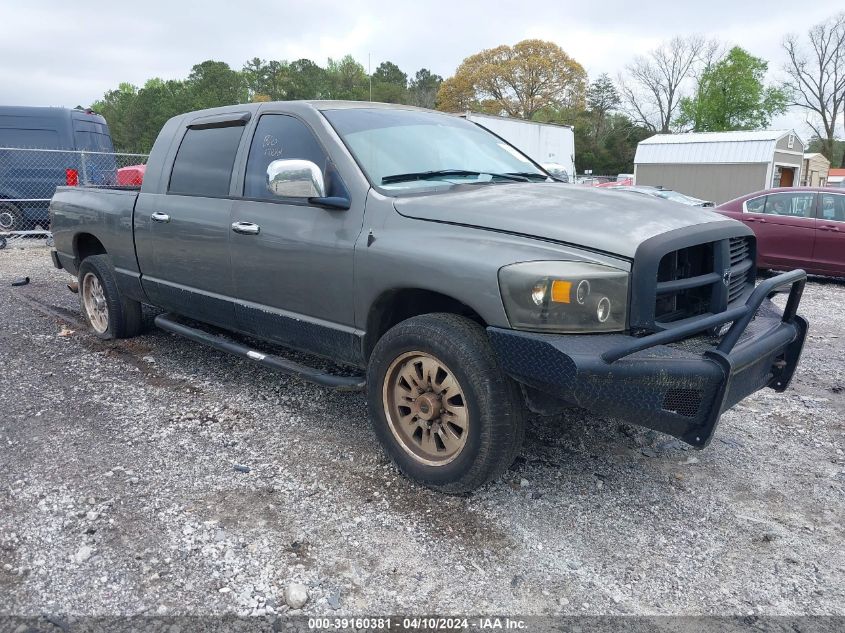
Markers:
point(29, 177)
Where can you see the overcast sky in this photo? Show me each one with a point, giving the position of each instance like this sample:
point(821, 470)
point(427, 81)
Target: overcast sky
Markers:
point(68, 53)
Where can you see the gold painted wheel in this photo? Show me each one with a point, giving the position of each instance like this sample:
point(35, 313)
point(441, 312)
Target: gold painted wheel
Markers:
point(94, 301)
point(425, 408)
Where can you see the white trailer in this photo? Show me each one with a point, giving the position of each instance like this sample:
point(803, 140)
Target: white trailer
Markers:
point(544, 142)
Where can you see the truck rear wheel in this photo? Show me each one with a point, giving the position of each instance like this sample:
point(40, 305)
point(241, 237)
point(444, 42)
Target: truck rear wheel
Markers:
point(440, 404)
point(107, 311)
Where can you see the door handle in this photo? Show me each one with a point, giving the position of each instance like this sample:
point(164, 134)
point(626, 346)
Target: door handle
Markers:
point(246, 228)
point(160, 217)
point(828, 227)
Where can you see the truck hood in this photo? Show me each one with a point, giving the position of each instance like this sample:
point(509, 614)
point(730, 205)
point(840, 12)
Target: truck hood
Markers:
point(604, 220)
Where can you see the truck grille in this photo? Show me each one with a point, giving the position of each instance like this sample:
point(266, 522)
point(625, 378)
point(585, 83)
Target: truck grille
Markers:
point(739, 254)
point(701, 279)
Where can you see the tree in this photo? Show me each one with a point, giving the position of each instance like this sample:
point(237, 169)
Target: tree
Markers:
point(390, 84)
point(422, 89)
point(731, 96)
point(306, 80)
point(155, 103)
point(520, 80)
point(265, 80)
point(456, 94)
point(651, 85)
point(602, 98)
point(816, 144)
point(254, 73)
point(214, 84)
point(115, 107)
point(817, 78)
point(346, 79)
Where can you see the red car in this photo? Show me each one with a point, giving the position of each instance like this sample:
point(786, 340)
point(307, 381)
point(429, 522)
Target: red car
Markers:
point(796, 227)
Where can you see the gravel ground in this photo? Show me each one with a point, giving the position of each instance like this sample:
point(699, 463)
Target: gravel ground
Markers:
point(119, 492)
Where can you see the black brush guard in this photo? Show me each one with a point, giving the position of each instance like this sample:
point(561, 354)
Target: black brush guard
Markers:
point(678, 381)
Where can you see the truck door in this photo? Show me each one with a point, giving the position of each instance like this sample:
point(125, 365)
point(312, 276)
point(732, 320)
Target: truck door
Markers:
point(291, 260)
point(784, 226)
point(182, 236)
point(829, 252)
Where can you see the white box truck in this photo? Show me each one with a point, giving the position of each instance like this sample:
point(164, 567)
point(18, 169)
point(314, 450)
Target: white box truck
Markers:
point(547, 143)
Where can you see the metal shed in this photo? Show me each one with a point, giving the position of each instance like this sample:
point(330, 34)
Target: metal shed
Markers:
point(720, 166)
point(815, 170)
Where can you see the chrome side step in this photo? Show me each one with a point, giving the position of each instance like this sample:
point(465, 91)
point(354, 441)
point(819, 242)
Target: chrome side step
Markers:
point(169, 323)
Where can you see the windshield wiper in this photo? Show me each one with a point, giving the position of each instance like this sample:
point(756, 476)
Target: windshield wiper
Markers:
point(528, 175)
point(429, 175)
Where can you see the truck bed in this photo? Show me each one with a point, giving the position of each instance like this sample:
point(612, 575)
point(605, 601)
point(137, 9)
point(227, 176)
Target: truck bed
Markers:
point(92, 218)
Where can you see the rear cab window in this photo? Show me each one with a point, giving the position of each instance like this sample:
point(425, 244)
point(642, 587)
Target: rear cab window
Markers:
point(204, 161)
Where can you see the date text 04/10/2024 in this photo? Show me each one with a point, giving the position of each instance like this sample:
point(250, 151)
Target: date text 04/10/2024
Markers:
point(417, 623)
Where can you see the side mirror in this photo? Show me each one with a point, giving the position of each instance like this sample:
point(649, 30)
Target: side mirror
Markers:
point(295, 179)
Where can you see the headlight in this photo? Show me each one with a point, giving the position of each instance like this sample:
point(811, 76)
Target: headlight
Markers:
point(564, 296)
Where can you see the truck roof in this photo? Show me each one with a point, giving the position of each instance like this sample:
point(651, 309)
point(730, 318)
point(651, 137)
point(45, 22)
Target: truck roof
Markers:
point(312, 104)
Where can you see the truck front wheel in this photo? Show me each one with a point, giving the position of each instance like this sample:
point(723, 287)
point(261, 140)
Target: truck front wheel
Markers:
point(440, 404)
point(107, 311)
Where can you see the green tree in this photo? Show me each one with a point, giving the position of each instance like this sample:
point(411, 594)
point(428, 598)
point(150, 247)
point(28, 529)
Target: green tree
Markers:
point(605, 140)
point(255, 75)
point(732, 96)
point(422, 89)
point(390, 84)
point(602, 99)
point(306, 80)
point(520, 80)
point(347, 79)
point(115, 106)
point(214, 84)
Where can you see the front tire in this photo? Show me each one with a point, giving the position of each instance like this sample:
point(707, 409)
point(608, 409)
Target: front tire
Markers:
point(440, 404)
point(109, 314)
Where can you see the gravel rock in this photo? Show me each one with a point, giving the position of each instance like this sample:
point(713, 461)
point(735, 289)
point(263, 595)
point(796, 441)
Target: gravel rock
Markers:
point(83, 554)
point(296, 595)
point(755, 524)
point(333, 600)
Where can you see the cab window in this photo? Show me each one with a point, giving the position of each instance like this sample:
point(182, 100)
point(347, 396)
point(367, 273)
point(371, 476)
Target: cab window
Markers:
point(203, 165)
point(281, 137)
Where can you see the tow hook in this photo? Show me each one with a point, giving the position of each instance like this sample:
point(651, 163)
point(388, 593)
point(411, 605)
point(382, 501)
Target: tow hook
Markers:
point(73, 286)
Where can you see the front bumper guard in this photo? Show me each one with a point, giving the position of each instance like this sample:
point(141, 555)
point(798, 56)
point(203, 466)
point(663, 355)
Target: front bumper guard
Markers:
point(678, 381)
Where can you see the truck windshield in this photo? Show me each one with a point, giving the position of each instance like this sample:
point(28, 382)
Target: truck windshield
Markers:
point(408, 149)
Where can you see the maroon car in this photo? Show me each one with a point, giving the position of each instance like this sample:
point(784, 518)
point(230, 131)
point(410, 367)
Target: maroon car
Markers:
point(796, 227)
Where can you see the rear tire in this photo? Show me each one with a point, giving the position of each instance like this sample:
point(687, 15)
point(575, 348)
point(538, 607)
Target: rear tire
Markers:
point(109, 314)
point(11, 218)
point(440, 404)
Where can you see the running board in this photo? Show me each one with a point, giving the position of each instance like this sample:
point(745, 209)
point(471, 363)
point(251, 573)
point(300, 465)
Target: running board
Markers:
point(342, 383)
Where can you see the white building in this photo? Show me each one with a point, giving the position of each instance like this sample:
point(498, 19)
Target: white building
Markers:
point(720, 166)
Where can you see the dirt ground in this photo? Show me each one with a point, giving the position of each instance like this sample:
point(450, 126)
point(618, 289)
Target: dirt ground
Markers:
point(119, 492)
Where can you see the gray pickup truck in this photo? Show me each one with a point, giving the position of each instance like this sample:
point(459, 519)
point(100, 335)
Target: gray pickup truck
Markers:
point(463, 285)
